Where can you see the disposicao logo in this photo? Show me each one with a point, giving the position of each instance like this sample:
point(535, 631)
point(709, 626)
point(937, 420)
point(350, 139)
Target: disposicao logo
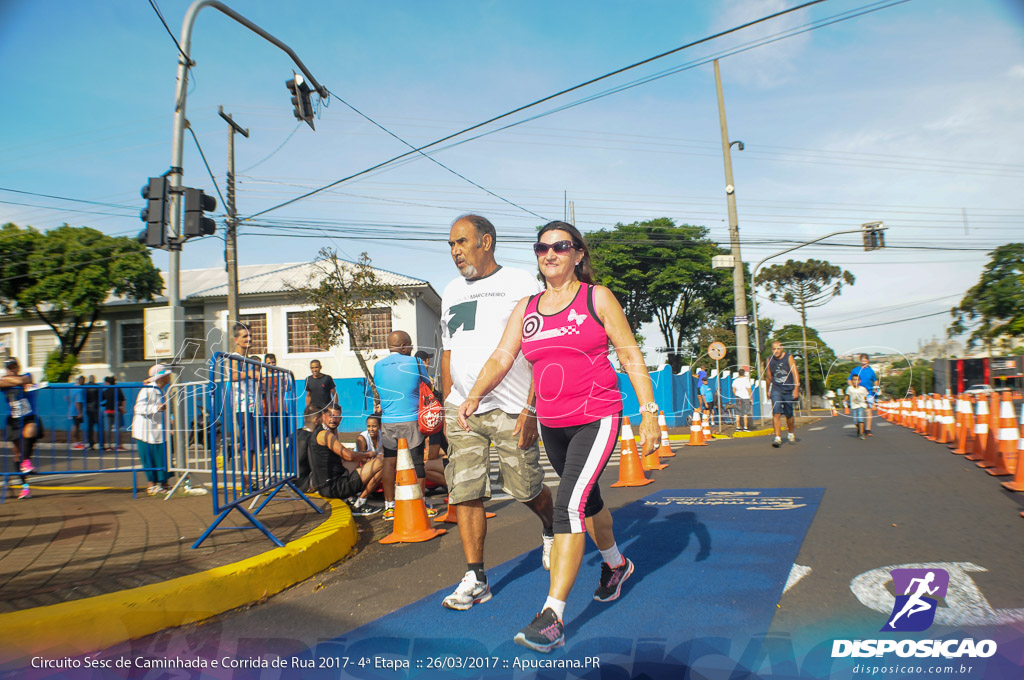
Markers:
point(915, 608)
point(917, 600)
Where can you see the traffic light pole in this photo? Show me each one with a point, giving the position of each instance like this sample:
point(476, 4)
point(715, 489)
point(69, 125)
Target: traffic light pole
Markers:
point(757, 334)
point(231, 238)
point(178, 142)
point(738, 282)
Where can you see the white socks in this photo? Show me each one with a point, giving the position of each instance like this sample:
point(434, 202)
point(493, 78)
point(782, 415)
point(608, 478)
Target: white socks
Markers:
point(557, 606)
point(612, 556)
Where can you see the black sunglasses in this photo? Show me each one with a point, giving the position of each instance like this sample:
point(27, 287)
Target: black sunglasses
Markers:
point(560, 247)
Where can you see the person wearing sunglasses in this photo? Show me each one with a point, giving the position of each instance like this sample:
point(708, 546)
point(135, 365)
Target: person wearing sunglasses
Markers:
point(564, 332)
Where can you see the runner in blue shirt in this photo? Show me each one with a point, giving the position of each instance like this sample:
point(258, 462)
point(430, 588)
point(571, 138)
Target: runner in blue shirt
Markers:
point(867, 380)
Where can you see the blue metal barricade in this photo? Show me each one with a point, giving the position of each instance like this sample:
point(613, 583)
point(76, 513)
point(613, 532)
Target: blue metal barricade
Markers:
point(255, 444)
point(104, 416)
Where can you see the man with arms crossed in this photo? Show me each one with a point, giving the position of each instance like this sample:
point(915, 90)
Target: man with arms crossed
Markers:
point(474, 311)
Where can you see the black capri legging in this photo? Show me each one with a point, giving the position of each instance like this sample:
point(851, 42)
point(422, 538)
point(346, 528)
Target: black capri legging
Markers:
point(417, 457)
point(579, 455)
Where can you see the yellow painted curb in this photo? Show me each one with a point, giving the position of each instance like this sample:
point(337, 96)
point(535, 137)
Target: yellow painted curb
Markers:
point(94, 623)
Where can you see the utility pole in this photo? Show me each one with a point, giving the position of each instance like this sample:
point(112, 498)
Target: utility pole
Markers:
point(738, 283)
point(178, 140)
point(572, 214)
point(231, 239)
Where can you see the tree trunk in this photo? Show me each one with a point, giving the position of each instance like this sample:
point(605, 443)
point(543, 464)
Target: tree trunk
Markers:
point(807, 372)
point(366, 371)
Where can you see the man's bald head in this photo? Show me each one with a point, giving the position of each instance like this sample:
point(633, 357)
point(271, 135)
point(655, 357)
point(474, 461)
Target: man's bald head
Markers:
point(399, 341)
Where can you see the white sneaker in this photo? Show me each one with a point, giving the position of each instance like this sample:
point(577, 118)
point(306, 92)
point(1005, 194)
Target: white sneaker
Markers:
point(778, 442)
point(468, 593)
point(790, 437)
point(545, 556)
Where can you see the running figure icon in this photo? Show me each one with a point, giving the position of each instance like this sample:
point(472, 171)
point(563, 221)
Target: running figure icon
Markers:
point(915, 603)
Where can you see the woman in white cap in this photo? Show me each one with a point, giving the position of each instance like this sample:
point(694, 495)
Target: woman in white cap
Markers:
point(148, 428)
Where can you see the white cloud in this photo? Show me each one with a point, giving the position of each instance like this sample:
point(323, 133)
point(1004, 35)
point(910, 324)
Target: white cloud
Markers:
point(1016, 71)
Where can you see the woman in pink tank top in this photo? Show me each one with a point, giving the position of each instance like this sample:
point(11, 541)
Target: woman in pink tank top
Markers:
point(565, 333)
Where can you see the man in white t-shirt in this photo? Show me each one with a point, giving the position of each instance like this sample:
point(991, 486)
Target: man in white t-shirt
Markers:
point(744, 402)
point(474, 311)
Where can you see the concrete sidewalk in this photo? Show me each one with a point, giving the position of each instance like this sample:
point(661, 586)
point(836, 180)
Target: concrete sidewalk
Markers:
point(74, 558)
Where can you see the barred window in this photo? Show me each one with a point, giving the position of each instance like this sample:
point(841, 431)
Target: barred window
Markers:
point(40, 343)
point(373, 328)
point(133, 342)
point(257, 325)
point(95, 349)
point(195, 336)
point(6, 345)
point(301, 332)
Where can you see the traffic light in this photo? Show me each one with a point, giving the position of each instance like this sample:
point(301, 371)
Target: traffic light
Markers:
point(874, 235)
point(155, 214)
point(301, 99)
point(195, 223)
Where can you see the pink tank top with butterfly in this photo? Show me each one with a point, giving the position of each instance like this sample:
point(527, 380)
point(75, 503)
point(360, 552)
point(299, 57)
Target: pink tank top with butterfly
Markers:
point(572, 376)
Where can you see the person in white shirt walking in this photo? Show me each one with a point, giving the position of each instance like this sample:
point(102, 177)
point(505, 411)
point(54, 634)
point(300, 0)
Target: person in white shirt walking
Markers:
point(741, 389)
point(148, 428)
point(858, 395)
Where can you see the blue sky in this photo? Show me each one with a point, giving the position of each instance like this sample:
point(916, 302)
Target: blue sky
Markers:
point(913, 114)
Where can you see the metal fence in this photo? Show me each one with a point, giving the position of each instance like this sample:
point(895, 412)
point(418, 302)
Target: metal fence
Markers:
point(253, 433)
point(99, 414)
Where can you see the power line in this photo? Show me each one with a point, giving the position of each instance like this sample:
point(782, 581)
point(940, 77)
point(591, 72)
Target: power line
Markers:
point(540, 101)
point(188, 62)
point(875, 325)
point(268, 156)
point(65, 198)
point(434, 160)
point(208, 170)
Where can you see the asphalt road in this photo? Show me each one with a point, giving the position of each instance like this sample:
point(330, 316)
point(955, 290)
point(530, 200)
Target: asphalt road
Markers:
point(893, 499)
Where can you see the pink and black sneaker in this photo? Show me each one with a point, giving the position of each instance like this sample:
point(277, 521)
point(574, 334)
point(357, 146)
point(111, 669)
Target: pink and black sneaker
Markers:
point(544, 634)
point(612, 580)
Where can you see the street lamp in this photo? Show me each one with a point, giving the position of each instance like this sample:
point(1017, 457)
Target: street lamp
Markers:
point(875, 226)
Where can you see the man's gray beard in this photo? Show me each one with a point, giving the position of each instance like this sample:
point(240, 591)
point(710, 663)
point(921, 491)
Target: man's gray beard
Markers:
point(468, 272)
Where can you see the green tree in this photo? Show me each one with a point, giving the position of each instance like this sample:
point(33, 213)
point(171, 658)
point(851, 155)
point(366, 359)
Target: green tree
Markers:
point(803, 285)
point(342, 293)
point(662, 272)
point(815, 363)
point(64, 276)
point(838, 375)
point(994, 305)
point(918, 376)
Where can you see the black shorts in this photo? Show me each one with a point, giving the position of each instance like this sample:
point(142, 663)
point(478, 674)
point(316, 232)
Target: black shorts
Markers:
point(77, 420)
point(346, 484)
point(417, 457)
point(15, 426)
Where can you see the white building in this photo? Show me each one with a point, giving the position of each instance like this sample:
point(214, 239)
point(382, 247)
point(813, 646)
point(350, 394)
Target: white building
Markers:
point(279, 321)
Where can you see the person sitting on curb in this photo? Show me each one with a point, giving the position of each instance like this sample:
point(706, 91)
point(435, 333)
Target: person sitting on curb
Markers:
point(337, 471)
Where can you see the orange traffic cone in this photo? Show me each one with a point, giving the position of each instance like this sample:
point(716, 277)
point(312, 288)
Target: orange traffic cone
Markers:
point(933, 419)
point(707, 428)
point(958, 421)
point(965, 435)
point(631, 471)
point(846, 408)
point(980, 431)
point(411, 522)
point(946, 429)
point(450, 516)
point(992, 440)
point(652, 461)
point(1005, 454)
point(665, 451)
point(696, 431)
point(1017, 483)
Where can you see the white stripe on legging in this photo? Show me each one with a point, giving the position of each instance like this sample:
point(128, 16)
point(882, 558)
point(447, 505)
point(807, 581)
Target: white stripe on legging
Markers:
point(588, 476)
